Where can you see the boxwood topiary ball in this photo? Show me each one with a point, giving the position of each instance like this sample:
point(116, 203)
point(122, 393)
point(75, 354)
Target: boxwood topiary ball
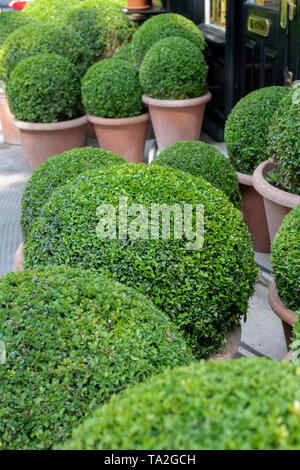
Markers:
point(285, 256)
point(284, 143)
point(204, 290)
point(56, 172)
point(247, 127)
point(245, 404)
point(111, 89)
point(50, 10)
point(10, 21)
point(45, 88)
point(164, 26)
point(44, 38)
point(201, 159)
point(125, 53)
point(72, 340)
point(173, 69)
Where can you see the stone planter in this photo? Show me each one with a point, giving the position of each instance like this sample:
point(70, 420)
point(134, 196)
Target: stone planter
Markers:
point(125, 136)
point(176, 120)
point(41, 141)
point(286, 315)
point(11, 134)
point(277, 203)
point(230, 350)
point(254, 214)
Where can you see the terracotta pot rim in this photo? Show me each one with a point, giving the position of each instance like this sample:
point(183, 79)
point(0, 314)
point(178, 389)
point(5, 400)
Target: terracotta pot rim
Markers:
point(269, 191)
point(288, 357)
point(51, 126)
point(119, 121)
point(247, 180)
point(19, 257)
point(177, 103)
point(285, 314)
point(233, 341)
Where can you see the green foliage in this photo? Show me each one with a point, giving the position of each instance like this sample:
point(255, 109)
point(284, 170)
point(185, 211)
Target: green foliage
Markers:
point(72, 340)
point(285, 256)
point(205, 291)
point(295, 346)
point(161, 27)
point(247, 127)
point(231, 405)
point(284, 143)
point(103, 26)
point(111, 89)
point(56, 172)
point(44, 88)
point(125, 53)
point(201, 159)
point(174, 69)
point(9, 21)
point(54, 11)
point(43, 38)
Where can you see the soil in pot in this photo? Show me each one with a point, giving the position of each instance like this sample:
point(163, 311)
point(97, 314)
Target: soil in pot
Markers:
point(11, 134)
point(254, 214)
point(286, 315)
point(278, 203)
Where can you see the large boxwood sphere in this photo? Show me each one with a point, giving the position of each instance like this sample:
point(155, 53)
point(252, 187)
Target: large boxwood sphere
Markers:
point(102, 24)
point(205, 291)
point(164, 26)
point(45, 88)
point(55, 172)
point(201, 159)
point(50, 10)
point(247, 127)
point(72, 340)
point(44, 38)
point(284, 144)
point(285, 255)
point(111, 89)
point(10, 21)
point(173, 69)
point(125, 53)
point(245, 404)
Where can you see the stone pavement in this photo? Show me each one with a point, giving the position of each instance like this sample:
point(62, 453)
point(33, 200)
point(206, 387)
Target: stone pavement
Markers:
point(262, 333)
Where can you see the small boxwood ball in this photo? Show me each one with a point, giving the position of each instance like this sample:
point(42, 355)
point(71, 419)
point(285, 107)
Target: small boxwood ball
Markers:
point(247, 127)
point(102, 24)
point(285, 256)
point(73, 339)
point(204, 290)
point(284, 145)
point(245, 404)
point(51, 10)
point(173, 69)
point(111, 89)
point(45, 88)
point(161, 27)
point(55, 172)
point(10, 21)
point(44, 38)
point(201, 159)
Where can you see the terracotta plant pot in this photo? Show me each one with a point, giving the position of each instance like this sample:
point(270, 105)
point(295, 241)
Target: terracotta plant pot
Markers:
point(254, 214)
point(286, 315)
point(176, 120)
point(288, 357)
point(230, 350)
point(138, 4)
point(41, 141)
point(19, 257)
point(125, 136)
point(11, 134)
point(277, 203)
point(90, 130)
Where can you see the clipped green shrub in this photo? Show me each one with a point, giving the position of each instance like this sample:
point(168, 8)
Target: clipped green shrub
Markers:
point(295, 346)
point(42, 38)
point(10, 21)
point(284, 144)
point(285, 256)
point(161, 27)
point(111, 89)
point(201, 159)
point(174, 69)
point(56, 172)
point(73, 340)
point(204, 290)
point(246, 404)
point(247, 127)
point(45, 88)
point(125, 53)
point(50, 10)
point(103, 26)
